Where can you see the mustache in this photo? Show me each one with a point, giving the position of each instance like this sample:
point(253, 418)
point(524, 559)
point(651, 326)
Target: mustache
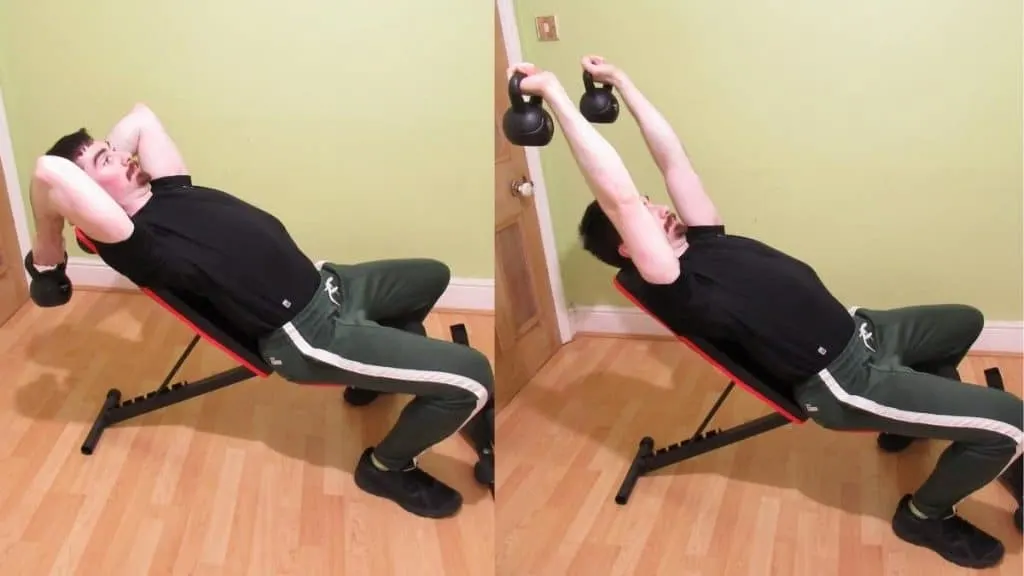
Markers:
point(137, 174)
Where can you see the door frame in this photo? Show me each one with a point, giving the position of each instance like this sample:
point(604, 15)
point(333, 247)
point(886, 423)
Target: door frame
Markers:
point(513, 49)
point(15, 199)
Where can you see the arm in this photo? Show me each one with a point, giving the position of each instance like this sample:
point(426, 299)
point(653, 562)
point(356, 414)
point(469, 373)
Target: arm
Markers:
point(684, 185)
point(610, 183)
point(62, 191)
point(141, 134)
point(48, 246)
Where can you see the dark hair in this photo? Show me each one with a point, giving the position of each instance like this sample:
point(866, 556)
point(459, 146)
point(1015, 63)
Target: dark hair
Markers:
point(72, 145)
point(600, 237)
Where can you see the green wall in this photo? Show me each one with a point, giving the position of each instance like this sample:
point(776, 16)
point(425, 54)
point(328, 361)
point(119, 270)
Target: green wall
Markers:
point(880, 141)
point(365, 126)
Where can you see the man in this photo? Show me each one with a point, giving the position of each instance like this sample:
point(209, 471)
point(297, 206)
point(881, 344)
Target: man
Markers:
point(892, 371)
point(355, 324)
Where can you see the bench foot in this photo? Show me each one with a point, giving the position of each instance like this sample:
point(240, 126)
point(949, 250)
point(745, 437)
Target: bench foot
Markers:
point(648, 459)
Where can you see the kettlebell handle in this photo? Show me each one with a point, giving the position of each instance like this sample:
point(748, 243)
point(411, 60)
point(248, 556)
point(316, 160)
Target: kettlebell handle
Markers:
point(588, 82)
point(515, 93)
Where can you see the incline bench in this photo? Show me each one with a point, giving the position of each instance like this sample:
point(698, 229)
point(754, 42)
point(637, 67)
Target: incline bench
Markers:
point(207, 323)
point(785, 409)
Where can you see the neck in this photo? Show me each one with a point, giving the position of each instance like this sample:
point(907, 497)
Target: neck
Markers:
point(136, 199)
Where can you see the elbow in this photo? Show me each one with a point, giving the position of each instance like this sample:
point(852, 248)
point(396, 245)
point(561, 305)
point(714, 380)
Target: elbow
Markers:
point(49, 169)
point(144, 116)
point(142, 109)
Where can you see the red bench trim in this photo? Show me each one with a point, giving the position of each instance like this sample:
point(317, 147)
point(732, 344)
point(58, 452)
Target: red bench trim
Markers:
point(792, 418)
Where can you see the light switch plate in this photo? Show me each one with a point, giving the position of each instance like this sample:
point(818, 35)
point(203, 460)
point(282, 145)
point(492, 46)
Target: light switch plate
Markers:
point(547, 28)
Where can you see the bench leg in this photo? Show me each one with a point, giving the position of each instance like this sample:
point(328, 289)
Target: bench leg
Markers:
point(648, 459)
point(114, 410)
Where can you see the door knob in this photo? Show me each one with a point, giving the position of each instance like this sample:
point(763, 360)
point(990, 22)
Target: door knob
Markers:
point(522, 188)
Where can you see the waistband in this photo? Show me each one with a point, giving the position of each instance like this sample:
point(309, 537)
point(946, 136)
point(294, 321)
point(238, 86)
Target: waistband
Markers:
point(328, 295)
point(856, 353)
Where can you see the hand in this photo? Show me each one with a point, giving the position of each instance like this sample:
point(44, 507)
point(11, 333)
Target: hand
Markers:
point(601, 70)
point(538, 82)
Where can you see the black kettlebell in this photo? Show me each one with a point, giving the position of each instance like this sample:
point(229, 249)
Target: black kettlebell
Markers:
point(598, 104)
point(526, 123)
point(50, 288)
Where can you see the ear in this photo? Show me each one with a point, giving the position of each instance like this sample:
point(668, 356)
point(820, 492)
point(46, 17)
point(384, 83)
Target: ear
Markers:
point(622, 250)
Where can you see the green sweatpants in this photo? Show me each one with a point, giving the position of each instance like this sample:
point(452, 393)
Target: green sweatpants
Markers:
point(364, 329)
point(898, 375)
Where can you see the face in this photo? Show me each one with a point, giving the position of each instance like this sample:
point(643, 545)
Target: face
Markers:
point(115, 171)
point(674, 229)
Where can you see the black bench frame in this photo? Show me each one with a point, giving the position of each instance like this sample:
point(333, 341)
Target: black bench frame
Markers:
point(649, 459)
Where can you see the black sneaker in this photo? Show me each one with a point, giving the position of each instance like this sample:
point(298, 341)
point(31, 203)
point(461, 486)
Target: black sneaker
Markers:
point(894, 442)
point(953, 538)
point(360, 396)
point(411, 488)
point(483, 470)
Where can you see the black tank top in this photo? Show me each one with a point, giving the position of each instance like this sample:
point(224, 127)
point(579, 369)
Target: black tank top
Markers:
point(748, 297)
point(203, 243)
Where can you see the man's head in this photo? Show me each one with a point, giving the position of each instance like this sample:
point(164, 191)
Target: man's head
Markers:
point(601, 239)
point(115, 171)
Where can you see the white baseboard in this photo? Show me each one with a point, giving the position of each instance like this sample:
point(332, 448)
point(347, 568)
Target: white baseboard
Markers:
point(468, 294)
point(462, 293)
point(997, 336)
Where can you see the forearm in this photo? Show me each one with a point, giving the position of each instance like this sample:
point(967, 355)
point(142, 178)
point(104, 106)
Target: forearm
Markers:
point(75, 197)
point(601, 165)
point(684, 186)
point(661, 139)
point(127, 133)
point(48, 244)
point(141, 134)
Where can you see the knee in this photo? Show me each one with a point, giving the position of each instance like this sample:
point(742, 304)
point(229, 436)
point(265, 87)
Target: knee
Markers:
point(472, 381)
point(970, 320)
point(1007, 423)
point(479, 370)
point(436, 273)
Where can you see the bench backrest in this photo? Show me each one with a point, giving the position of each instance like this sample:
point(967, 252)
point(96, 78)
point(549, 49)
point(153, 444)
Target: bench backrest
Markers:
point(203, 319)
point(729, 360)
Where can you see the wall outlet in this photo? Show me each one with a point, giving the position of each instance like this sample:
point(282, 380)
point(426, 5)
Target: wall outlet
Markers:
point(547, 28)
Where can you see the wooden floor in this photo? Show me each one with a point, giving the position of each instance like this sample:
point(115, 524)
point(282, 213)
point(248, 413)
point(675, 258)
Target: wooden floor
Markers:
point(252, 479)
point(257, 478)
point(798, 501)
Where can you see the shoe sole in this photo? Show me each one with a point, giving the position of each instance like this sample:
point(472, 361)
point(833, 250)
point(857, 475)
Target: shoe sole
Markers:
point(433, 514)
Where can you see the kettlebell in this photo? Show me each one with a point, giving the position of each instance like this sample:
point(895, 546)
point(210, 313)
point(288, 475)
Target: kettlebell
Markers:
point(598, 104)
point(526, 122)
point(50, 288)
